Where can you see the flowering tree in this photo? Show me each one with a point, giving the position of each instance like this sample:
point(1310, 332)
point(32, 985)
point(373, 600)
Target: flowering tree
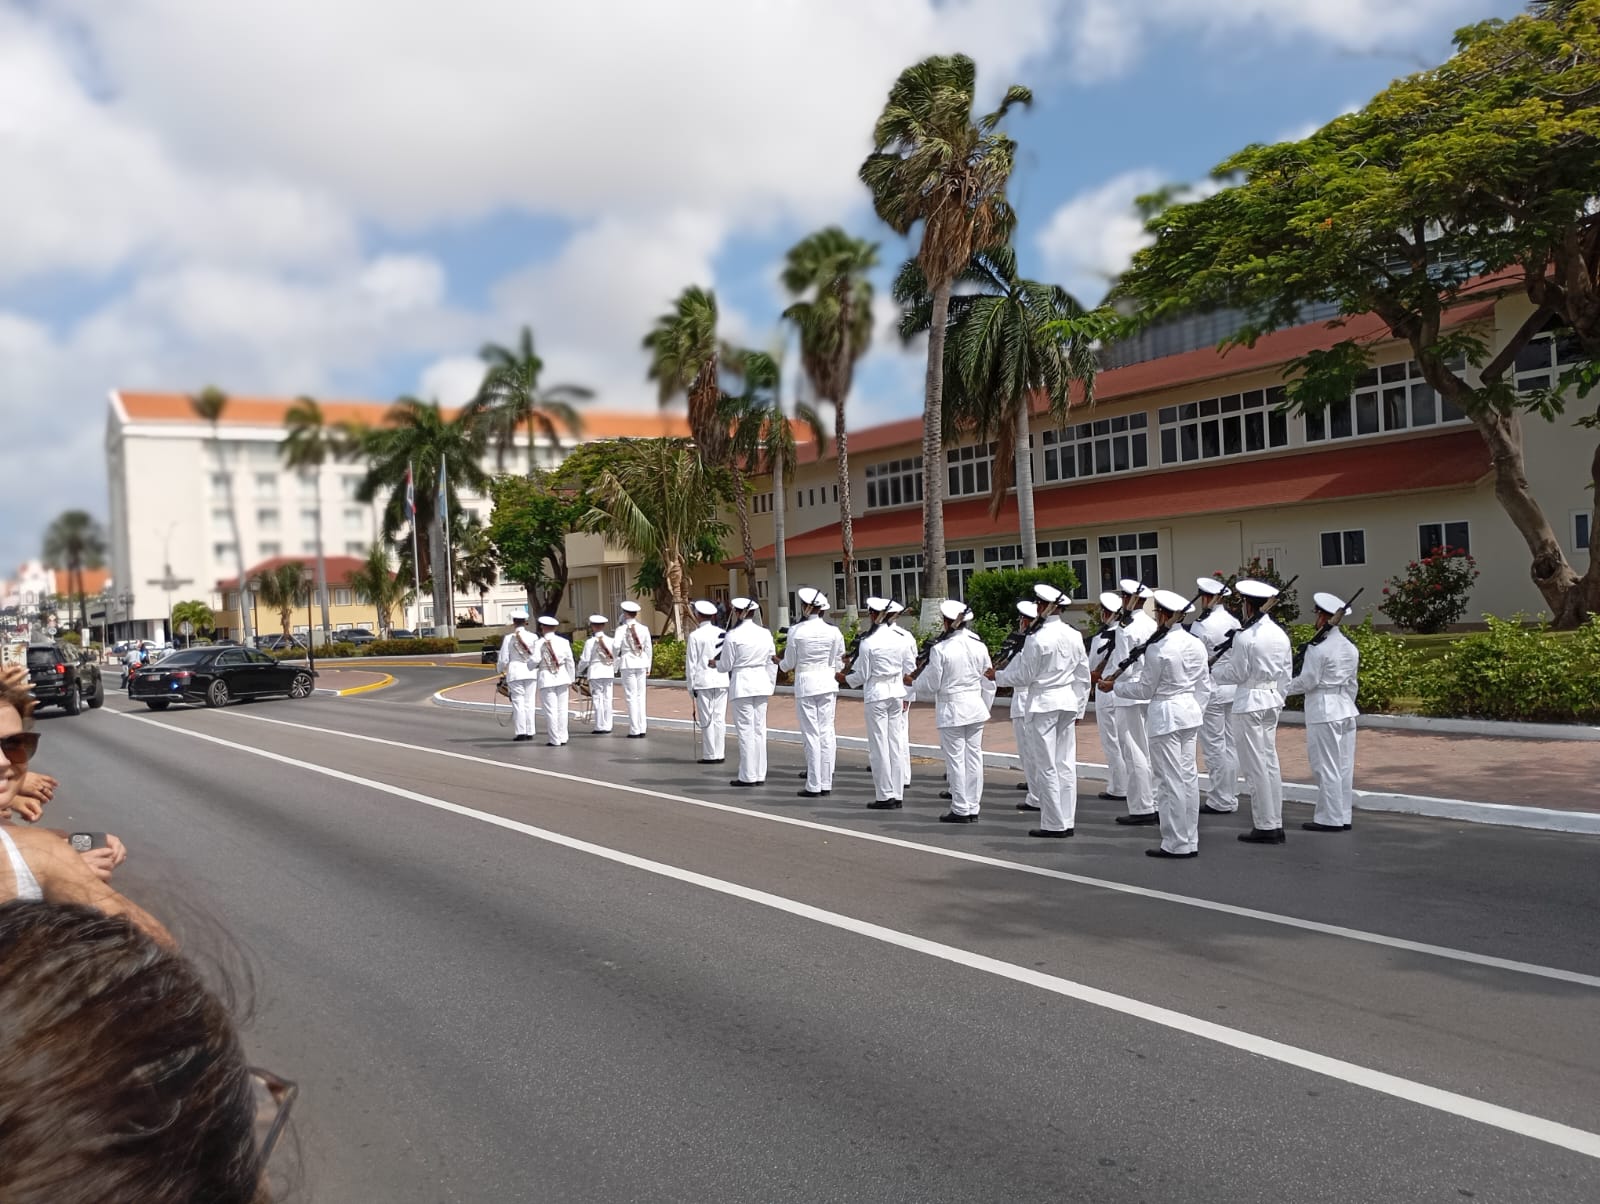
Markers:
point(1432, 593)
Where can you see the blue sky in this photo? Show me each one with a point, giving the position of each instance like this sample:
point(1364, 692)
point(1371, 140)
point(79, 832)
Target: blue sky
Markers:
point(347, 200)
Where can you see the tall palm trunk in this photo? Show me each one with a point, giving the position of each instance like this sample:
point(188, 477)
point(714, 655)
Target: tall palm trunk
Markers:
point(841, 445)
point(741, 506)
point(675, 587)
point(1025, 518)
point(933, 569)
point(322, 571)
point(245, 632)
point(780, 536)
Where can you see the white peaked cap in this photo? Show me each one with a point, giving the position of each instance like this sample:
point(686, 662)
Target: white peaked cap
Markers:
point(519, 615)
point(1210, 585)
point(548, 621)
point(1328, 603)
point(807, 595)
point(1027, 609)
point(600, 619)
point(952, 609)
point(1129, 586)
point(895, 607)
point(630, 608)
point(706, 610)
point(1169, 601)
point(966, 615)
point(1259, 590)
point(877, 604)
point(822, 601)
point(1048, 594)
point(1111, 600)
point(739, 604)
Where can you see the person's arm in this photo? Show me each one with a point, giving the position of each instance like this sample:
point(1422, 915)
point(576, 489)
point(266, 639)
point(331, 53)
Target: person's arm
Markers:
point(787, 662)
point(1310, 676)
point(64, 877)
point(1144, 688)
point(503, 661)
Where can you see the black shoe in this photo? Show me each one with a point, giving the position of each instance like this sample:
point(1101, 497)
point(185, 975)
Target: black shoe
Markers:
point(742, 782)
point(1026, 807)
point(1208, 809)
point(636, 735)
point(811, 793)
point(1061, 835)
point(950, 817)
point(1312, 825)
point(709, 761)
point(1140, 821)
point(1021, 786)
point(1112, 798)
point(945, 794)
point(1263, 836)
point(1160, 852)
point(520, 739)
point(885, 804)
point(601, 731)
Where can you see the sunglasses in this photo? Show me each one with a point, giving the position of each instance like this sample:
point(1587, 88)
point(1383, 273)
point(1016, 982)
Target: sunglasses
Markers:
point(19, 747)
point(274, 1098)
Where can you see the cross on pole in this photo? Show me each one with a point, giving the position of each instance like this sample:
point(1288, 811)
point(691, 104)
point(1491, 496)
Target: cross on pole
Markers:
point(169, 583)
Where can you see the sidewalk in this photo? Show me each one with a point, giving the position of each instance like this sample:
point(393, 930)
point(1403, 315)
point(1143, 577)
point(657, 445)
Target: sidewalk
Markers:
point(1550, 774)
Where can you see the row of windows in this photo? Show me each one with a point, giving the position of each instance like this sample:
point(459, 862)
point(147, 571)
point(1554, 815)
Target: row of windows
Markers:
point(811, 497)
point(266, 485)
point(761, 503)
point(1093, 449)
point(894, 483)
point(223, 551)
point(1341, 549)
point(1391, 398)
point(1235, 425)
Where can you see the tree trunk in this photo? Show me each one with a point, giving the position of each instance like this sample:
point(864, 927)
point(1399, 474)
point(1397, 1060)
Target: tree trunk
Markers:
point(780, 536)
point(680, 601)
point(741, 506)
point(1025, 519)
point(841, 441)
point(933, 567)
point(238, 543)
point(322, 569)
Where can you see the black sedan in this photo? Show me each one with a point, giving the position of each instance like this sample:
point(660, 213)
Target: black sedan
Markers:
point(216, 676)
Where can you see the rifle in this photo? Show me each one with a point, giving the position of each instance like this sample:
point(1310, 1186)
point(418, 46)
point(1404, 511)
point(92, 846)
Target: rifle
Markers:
point(1188, 624)
point(1011, 647)
point(927, 649)
point(1300, 653)
point(1226, 644)
point(1138, 650)
point(1121, 619)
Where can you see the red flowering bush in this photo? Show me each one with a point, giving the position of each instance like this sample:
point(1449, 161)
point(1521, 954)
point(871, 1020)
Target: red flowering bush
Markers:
point(1432, 593)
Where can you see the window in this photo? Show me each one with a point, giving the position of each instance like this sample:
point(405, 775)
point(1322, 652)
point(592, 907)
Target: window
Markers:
point(221, 515)
point(1091, 449)
point(267, 518)
point(308, 517)
point(811, 497)
point(1073, 553)
point(1236, 425)
point(1005, 556)
point(799, 497)
point(219, 484)
point(1343, 547)
point(896, 483)
point(869, 580)
point(958, 569)
point(266, 484)
point(1539, 364)
point(308, 547)
point(1128, 556)
point(268, 549)
point(349, 487)
point(1432, 536)
point(354, 547)
point(308, 481)
point(969, 470)
point(222, 551)
point(905, 577)
point(341, 597)
point(1580, 532)
point(762, 503)
point(835, 495)
point(354, 517)
point(1393, 397)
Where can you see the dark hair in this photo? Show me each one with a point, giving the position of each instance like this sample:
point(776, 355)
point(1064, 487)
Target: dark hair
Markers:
point(121, 1075)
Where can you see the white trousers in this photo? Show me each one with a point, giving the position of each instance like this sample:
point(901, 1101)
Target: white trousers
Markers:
point(1136, 758)
point(962, 745)
point(750, 722)
point(1027, 753)
point(1331, 749)
point(633, 697)
point(1177, 788)
point(1106, 714)
point(902, 740)
point(553, 702)
point(1054, 737)
point(815, 712)
point(522, 706)
point(600, 696)
point(711, 710)
point(882, 751)
point(1255, 735)
point(1222, 759)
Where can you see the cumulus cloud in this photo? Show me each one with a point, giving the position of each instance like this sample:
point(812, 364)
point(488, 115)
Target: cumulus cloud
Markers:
point(1090, 240)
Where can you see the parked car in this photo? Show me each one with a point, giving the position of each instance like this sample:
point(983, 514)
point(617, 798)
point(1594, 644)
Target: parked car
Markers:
point(401, 633)
point(66, 677)
point(491, 652)
point(278, 642)
point(354, 635)
point(217, 676)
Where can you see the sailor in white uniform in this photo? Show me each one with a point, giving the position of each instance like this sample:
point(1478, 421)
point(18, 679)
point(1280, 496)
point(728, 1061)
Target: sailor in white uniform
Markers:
point(1021, 732)
point(814, 653)
point(599, 664)
point(1215, 624)
point(1328, 679)
point(883, 662)
point(902, 725)
point(1261, 664)
point(1102, 646)
point(750, 659)
point(708, 686)
point(556, 672)
point(633, 659)
point(1135, 627)
point(956, 679)
point(518, 663)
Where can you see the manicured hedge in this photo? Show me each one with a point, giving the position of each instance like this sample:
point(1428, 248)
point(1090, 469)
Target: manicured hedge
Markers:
point(1514, 672)
point(408, 647)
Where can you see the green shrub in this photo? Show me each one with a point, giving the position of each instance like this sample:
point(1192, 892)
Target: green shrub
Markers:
point(994, 594)
point(666, 658)
point(1432, 593)
point(1388, 667)
point(408, 647)
point(1515, 672)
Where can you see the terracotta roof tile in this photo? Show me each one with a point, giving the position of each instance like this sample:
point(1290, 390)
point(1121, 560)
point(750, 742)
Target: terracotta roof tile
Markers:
point(340, 568)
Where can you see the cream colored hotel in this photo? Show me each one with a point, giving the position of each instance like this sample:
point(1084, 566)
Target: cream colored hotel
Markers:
point(1183, 467)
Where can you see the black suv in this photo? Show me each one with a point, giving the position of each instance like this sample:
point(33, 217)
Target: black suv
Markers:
point(63, 676)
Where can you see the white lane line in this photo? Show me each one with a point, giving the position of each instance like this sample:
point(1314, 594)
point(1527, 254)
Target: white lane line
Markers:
point(1552, 1132)
point(1145, 892)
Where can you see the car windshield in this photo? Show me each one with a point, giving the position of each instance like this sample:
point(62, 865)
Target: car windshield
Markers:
point(38, 658)
point(192, 656)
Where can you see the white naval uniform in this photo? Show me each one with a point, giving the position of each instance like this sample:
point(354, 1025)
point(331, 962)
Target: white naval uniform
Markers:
point(1132, 715)
point(599, 664)
point(1260, 663)
point(747, 659)
point(633, 665)
point(880, 671)
point(902, 721)
point(1216, 728)
point(709, 688)
point(1175, 684)
point(1328, 679)
point(518, 661)
point(1105, 715)
point(1023, 734)
point(556, 672)
point(814, 652)
point(962, 695)
point(1054, 669)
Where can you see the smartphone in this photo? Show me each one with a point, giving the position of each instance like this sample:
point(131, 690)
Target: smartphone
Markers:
point(83, 842)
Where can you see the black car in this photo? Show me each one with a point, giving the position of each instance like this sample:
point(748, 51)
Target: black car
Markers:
point(65, 677)
point(216, 676)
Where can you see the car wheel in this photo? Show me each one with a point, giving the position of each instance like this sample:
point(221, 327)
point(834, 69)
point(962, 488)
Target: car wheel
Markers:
point(217, 694)
point(301, 686)
point(74, 702)
point(98, 698)
point(158, 704)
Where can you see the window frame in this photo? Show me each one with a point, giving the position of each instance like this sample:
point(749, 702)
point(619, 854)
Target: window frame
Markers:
point(1444, 526)
point(1342, 538)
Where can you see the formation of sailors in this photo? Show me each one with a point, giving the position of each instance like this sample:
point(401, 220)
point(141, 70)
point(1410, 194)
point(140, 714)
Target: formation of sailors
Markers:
point(1173, 680)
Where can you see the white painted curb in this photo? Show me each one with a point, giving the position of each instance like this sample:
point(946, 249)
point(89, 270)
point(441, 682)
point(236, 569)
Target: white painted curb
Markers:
point(1500, 814)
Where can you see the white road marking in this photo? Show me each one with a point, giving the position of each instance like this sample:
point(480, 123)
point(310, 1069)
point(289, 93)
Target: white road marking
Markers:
point(1145, 892)
point(1551, 1132)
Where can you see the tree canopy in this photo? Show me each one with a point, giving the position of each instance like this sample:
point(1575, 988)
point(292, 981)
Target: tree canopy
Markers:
point(528, 527)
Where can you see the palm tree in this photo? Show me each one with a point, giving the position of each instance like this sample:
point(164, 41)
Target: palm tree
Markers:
point(1011, 342)
point(375, 585)
point(195, 612)
point(511, 398)
point(283, 588)
point(828, 272)
point(684, 355)
point(933, 164)
point(477, 566)
point(762, 439)
point(657, 498)
point(311, 443)
point(208, 406)
point(74, 542)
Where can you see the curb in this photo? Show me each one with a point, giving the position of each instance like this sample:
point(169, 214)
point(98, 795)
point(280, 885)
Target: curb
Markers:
point(388, 680)
point(1497, 814)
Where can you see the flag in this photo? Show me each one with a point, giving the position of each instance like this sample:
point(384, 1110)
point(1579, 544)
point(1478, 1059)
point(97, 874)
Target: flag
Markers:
point(411, 496)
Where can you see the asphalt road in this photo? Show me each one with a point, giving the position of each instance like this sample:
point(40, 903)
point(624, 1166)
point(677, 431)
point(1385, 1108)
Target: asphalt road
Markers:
point(514, 973)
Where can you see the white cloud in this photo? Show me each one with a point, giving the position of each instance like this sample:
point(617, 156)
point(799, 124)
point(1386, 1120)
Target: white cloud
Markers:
point(1089, 241)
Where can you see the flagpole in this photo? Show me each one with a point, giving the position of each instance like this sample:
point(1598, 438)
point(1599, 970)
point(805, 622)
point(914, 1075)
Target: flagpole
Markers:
point(449, 557)
point(416, 565)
